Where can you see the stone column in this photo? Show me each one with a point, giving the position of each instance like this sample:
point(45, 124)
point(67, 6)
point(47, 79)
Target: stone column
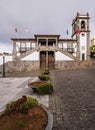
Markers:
point(25, 46)
point(46, 59)
point(56, 42)
point(46, 42)
point(36, 44)
point(88, 46)
point(54, 60)
point(14, 51)
point(88, 40)
point(62, 45)
point(30, 45)
point(78, 40)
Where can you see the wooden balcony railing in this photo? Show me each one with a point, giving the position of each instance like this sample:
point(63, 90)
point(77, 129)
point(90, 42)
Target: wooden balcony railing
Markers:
point(24, 49)
point(45, 48)
point(70, 50)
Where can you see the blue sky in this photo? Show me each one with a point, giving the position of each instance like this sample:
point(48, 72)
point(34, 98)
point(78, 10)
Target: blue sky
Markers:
point(40, 17)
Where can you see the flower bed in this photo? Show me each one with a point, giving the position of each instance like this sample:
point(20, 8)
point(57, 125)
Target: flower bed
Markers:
point(24, 114)
point(45, 71)
point(44, 77)
point(35, 84)
point(41, 87)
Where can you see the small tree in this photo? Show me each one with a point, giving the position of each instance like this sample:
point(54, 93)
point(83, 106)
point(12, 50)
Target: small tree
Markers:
point(92, 50)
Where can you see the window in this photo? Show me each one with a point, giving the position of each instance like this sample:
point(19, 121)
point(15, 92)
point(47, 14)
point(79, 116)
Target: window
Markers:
point(83, 34)
point(82, 25)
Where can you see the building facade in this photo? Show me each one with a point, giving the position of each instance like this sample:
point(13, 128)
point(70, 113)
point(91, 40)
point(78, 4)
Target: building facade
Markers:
point(48, 50)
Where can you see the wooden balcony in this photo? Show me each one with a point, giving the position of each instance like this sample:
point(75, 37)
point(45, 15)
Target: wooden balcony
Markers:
point(69, 50)
point(47, 48)
point(24, 49)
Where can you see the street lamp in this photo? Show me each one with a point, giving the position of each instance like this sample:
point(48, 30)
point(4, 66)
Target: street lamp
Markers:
point(4, 54)
point(3, 65)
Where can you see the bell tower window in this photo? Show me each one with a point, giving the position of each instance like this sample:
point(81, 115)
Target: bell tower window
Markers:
point(83, 25)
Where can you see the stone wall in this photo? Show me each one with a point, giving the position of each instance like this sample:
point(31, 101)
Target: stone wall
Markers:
point(74, 64)
point(27, 66)
point(14, 66)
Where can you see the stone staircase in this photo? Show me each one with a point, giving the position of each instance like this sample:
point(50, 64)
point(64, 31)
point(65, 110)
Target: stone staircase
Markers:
point(22, 55)
point(68, 54)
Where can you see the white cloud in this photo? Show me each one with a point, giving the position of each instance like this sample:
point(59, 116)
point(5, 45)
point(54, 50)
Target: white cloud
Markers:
point(40, 17)
point(5, 47)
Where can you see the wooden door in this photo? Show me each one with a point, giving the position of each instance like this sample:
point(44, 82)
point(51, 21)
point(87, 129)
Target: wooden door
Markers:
point(42, 59)
point(51, 60)
point(83, 56)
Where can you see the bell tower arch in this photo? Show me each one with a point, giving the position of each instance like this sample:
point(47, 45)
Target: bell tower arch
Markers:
point(81, 32)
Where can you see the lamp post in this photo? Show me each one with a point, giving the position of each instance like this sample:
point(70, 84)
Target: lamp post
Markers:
point(3, 65)
point(4, 54)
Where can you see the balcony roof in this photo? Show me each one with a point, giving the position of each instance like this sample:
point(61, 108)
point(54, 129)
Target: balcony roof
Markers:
point(45, 35)
point(23, 39)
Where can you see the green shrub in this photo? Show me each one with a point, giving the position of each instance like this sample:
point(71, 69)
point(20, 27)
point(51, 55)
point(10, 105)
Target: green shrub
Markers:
point(31, 102)
point(44, 77)
point(46, 88)
point(45, 71)
point(21, 106)
point(25, 107)
point(10, 106)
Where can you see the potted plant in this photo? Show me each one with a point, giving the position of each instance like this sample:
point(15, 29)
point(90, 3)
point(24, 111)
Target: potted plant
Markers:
point(41, 87)
point(45, 71)
point(35, 84)
point(44, 77)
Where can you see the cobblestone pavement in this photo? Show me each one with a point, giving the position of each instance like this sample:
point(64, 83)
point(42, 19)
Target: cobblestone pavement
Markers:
point(73, 101)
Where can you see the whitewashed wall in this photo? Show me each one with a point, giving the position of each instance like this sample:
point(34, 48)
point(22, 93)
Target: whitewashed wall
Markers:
point(83, 45)
point(33, 57)
point(60, 56)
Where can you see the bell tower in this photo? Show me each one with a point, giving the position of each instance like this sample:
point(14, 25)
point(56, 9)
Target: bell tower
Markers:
point(81, 32)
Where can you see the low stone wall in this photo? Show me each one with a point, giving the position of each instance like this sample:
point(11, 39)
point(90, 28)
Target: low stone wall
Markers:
point(28, 66)
point(74, 64)
point(14, 66)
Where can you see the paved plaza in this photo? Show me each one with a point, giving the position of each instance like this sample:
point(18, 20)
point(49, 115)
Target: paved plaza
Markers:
point(13, 88)
point(73, 101)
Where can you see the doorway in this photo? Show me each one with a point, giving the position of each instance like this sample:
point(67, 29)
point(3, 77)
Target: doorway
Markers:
point(47, 59)
point(83, 56)
point(51, 60)
point(42, 59)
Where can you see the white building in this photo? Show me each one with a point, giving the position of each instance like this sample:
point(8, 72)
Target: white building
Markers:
point(47, 51)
